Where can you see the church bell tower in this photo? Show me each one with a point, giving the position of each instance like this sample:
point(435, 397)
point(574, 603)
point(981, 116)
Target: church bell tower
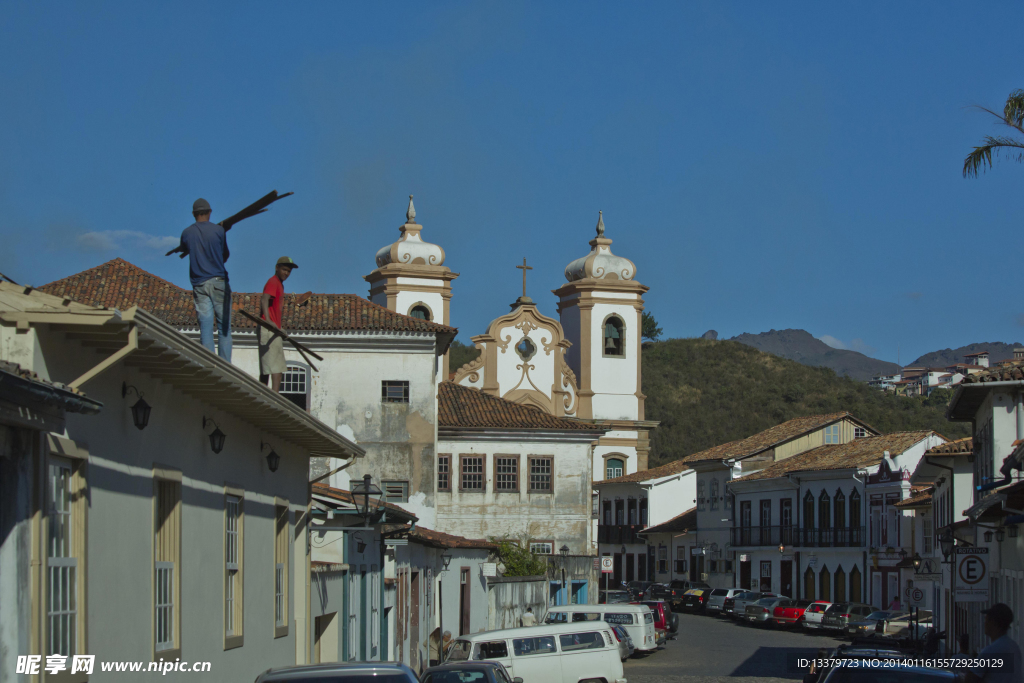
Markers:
point(411, 278)
point(600, 309)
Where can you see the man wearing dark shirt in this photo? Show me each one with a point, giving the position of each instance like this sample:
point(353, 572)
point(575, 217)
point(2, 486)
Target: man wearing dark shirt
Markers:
point(207, 248)
point(271, 346)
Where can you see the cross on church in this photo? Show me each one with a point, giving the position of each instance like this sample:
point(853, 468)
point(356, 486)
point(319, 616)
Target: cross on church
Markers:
point(524, 268)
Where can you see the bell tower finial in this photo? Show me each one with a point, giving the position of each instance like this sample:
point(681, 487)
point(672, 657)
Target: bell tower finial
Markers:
point(410, 214)
point(600, 223)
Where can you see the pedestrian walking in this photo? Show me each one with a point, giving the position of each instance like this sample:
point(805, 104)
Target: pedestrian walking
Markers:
point(271, 345)
point(206, 245)
point(998, 618)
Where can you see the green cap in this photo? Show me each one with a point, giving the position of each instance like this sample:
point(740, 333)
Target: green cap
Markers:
point(287, 261)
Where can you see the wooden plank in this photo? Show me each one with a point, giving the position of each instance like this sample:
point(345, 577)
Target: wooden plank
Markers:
point(284, 335)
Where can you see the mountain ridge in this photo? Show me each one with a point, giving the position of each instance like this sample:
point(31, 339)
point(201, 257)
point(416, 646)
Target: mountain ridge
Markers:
point(803, 347)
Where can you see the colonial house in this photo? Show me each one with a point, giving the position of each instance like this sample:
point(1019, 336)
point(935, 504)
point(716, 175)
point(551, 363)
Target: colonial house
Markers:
point(172, 524)
point(711, 555)
point(629, 505)
point(920, 569)
point(993, 402)
point(826, 527)
point(670, 542)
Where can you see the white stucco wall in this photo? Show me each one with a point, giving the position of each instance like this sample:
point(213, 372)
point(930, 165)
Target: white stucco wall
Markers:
point(614, 378)
point(562, 516)
point(510, 372)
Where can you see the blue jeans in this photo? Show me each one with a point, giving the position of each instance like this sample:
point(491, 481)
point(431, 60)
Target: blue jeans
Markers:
point(213, 302)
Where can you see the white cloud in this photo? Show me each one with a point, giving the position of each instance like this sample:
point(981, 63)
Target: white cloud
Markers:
point(858, 344)
point(110, 240)
point(832, 341)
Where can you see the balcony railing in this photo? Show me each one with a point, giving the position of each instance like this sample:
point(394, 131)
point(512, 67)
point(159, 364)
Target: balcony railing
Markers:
point(764, 536)
point(619, 534)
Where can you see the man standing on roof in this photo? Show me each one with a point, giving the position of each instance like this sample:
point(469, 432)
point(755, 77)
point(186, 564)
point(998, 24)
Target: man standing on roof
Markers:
point(207, 247)
point(272, 364)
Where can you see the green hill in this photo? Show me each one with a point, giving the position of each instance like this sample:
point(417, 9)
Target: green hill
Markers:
point(710, 392)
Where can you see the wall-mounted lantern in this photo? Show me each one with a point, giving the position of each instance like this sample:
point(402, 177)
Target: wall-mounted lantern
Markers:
point(217, 437)
point(141, 409)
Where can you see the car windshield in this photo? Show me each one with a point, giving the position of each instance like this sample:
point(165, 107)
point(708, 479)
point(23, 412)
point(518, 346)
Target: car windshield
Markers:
point(766, 602)
point(616, 596)
point(455, 676)
point(888, 675)
point(460, 651)
point(341, 677)
point(877, 616)
point(839, 607)
point(637, 584)
point(720, 591)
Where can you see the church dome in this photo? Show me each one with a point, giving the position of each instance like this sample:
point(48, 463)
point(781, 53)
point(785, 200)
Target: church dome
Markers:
point(600, 263)
point(410, 249)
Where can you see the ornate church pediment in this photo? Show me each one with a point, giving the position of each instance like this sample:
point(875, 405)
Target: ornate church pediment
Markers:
point(522, 359)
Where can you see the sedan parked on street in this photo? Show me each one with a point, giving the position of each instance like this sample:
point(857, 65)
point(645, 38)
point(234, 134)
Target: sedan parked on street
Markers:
point(347, 672)
point(814, 613)
point(696, 599)
point(841, 614)
point(673, 596)
point(716, 599)
point(762, 611)
point(614, 597)
point(740, 602)
point(790, 612)
point(872, 623)
point(468, 672)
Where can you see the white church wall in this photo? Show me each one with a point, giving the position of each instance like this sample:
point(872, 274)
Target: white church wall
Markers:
point(539, 376)
point(614, 379)
point(670, 497)
point(404, 301)
point(628, 453)
point(562, 517)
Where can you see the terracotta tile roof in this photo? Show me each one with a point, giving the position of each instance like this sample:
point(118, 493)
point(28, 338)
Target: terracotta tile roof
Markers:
point(459, 406)
point(771, 437)
point(19, 384)
point(865, 452)
point(963, 446)
point(1003, 373)
point(438, 539)
point(345, 497)
point(668, 469)
point(121, 285)
point(919, 498)
point(686, 521)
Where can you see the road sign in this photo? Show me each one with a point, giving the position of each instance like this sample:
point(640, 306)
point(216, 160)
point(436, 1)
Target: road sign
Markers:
point(915, 596)
point(606, 564)
point(971, 574)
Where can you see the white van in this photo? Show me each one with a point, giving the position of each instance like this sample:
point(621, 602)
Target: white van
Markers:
point(584, 652)
point(638, 620)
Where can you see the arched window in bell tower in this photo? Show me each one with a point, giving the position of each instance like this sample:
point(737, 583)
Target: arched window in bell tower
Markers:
point(614, 337)
point(420, 311)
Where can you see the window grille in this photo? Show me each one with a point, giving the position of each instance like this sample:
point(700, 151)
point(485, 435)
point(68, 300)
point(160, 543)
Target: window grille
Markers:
point(164, 605)
point(62, 586)
point(472, 473)
point(542, 548)
point(444, 481)
point(540, 475)
point(394, 391)
point(396, 491)
point(506, 474)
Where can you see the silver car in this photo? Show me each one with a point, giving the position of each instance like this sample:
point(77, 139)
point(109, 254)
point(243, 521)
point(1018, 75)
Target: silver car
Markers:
point(740, 602)
point(762, 611)
point(337, 672)
point(716, 601)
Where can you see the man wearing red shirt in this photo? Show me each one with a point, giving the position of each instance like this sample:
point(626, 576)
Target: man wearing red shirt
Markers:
point(272, 364)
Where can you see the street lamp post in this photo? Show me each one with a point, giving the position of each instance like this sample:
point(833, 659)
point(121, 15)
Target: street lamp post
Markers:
point(564, 552)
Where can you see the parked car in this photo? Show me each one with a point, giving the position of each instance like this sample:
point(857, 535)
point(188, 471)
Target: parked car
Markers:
point(872, 623)
point(840, 614)
point(671, 618)
point(762, 611)
point(695, 599)
point(469, 672)
point(905, 626)
point(898, 673)
point(715, 603)
point(790, 612)
point(685, 585)
point(626, 648)
point(661, 618)
point(814, 613)
point(818, 674)
point(740, 602)
point(673, 596)
point(348, 672)
point(613, 597)
point(638, 589)
point(547, 653)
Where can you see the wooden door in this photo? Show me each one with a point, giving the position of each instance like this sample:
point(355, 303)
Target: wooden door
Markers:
point(464, 601)
point(414, 621)
point(766, 576)
point(744, 575)
point(786, 578)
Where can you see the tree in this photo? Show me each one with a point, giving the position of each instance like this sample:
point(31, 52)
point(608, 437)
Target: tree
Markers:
point(519, 561)
point(1013, 116)
point(649, 329)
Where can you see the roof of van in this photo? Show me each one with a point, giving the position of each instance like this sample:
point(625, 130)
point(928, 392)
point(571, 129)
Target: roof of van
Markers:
point(612, 607)
point(541, 630)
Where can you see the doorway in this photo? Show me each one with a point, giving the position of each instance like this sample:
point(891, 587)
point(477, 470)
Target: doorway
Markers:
point(464, 601)
point(414, 621)
point(325, 635)
point(786, 577)
point(744, 574)
point(766, 576)
point(629, 567)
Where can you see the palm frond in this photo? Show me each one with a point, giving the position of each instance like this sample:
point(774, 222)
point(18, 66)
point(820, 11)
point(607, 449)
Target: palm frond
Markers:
point(1013, 112)
point(980, 159)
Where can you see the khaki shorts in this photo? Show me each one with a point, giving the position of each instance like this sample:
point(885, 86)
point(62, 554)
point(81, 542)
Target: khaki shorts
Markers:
point(271, 352)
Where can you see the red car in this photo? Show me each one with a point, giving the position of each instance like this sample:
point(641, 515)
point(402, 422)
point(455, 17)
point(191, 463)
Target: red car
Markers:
point(790, 612)
point(663, 621)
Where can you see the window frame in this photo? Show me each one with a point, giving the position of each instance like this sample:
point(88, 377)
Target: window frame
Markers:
point(74, 552)
point(167, 555)
point(622, 468)
point(548, 542)
point(444, 459)
point(831, 432)
point(403, 496)
point(462, 472)
point(385, 394)
point(282, 534)
point(234, 592)
point(420, 304)
point(550, 460)
point(307, 381)
point(622, 336)
point(497, 474)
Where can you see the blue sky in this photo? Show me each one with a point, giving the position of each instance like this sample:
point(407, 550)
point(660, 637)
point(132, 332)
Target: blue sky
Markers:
point(765, 165)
